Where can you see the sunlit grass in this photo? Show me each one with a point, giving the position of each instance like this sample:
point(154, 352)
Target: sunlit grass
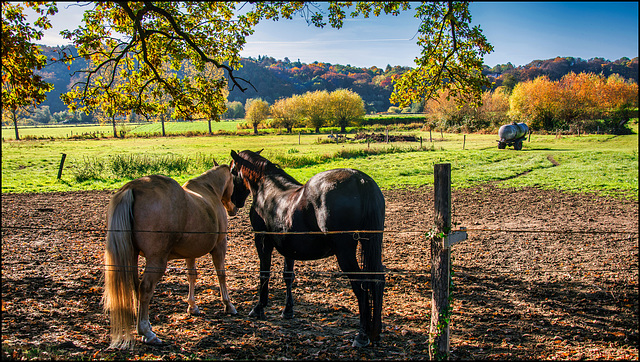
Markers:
point(604, 164)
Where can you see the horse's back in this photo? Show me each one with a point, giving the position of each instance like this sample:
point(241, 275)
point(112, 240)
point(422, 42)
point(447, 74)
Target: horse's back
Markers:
point(155, 196)
point(346, 199)
point(157, 212)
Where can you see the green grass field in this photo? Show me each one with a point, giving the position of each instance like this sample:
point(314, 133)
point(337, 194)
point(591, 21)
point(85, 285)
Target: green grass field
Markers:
point(603, 164)
point(8, 133)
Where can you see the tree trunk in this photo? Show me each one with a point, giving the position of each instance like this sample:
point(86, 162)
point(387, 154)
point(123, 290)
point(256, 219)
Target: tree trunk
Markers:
point(210, 132)
point(317, 129)
point(255, 128)
point(115, 132)
point(162, 121)
point(15, 123)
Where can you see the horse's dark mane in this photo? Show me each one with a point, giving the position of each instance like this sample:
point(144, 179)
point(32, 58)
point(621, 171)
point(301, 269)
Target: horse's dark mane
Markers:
point(256, 167)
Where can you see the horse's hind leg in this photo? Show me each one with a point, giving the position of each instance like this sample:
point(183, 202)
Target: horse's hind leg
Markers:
point(349, 265)
point(153, 272)
point(288, 281)
point(192, 274)
point(218, 255)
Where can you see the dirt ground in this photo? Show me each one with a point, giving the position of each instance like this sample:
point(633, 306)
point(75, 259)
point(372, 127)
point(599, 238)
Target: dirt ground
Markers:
point(550, 275)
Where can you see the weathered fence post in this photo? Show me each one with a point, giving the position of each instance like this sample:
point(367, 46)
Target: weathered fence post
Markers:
point(64, 155)
point(464, 141)
point(298, 138)
point(430, 139)
point(440, 260)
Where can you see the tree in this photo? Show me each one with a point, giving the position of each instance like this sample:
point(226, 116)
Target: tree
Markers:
point(235, 109)
point(110, 95)
point(256, 112)
point(21, 86)
point(451, 56)
point(445, 112)
point(509, 81)
point(536, 101)
point(316, 108)
point(150, 34)
point(495, 107)
point(346, 108)
point(573, 99)
point(617, 99)
point(287, 112)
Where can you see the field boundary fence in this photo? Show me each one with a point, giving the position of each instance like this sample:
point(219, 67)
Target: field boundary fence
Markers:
point(440, 261)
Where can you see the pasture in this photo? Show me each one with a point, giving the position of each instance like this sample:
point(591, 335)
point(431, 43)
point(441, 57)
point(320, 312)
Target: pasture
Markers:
point(549, 271)
point(604, 164)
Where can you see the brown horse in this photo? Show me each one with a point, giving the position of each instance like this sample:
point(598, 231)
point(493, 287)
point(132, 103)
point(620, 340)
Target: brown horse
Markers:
point(155, 217)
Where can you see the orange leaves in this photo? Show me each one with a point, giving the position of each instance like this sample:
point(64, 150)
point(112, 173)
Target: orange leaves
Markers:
point(574, 97)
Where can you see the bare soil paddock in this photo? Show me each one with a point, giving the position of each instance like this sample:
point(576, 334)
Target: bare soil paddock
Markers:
point(540, 293)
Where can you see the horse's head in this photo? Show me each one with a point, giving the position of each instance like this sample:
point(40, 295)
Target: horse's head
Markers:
point(240, 188)
point(227, 193)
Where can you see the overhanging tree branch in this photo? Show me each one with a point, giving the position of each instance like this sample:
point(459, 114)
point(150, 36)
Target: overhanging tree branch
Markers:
point(184, 36)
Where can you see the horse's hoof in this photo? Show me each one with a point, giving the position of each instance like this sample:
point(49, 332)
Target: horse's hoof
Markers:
point(257, 313)
point(152, 341)
point(287, 315)
point(194, 311)
point(360, 341)
point(231, 310)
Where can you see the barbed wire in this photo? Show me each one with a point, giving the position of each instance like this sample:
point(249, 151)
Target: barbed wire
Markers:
point(327, 274)
point(333, 274)
point(331, 232)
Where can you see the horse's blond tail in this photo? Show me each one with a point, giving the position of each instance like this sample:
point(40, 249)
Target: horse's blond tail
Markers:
point(120, 296)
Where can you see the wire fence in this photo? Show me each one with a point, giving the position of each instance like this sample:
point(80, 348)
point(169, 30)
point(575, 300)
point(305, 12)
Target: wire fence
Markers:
point(621, 235)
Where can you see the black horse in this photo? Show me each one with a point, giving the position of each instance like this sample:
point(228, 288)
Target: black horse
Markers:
point(316, 213)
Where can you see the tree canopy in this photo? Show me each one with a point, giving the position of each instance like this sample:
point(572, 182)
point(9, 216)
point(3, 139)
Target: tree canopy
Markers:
point(21, 86)
point(148, 43)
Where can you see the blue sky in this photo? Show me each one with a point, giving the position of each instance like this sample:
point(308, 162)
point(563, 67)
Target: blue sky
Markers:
point(519, 31)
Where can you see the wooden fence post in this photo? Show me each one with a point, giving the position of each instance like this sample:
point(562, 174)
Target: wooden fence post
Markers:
point(64, 155)
point(440, 261)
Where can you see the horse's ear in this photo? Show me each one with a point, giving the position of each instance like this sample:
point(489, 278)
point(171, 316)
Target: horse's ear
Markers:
point(234, 156)
point(215, 163)
point(260, 151)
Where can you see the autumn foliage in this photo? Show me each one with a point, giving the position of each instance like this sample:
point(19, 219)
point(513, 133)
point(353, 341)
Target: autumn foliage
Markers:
point(584, 102)
point(574, 100)
point(340, 108)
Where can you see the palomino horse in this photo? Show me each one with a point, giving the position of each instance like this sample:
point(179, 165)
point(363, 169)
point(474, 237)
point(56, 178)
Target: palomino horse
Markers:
point(156, 218)
point(323, 215)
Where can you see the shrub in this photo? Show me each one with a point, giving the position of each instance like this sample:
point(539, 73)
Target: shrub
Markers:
point(90, 169)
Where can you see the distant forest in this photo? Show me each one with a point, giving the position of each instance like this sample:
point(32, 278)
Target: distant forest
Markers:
point(274, 79)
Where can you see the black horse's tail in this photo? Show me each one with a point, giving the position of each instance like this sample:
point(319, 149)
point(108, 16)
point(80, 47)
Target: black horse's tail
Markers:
point(371, 258)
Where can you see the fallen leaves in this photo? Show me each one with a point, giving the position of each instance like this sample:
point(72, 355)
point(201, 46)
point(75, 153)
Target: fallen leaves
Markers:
point(51, 289)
